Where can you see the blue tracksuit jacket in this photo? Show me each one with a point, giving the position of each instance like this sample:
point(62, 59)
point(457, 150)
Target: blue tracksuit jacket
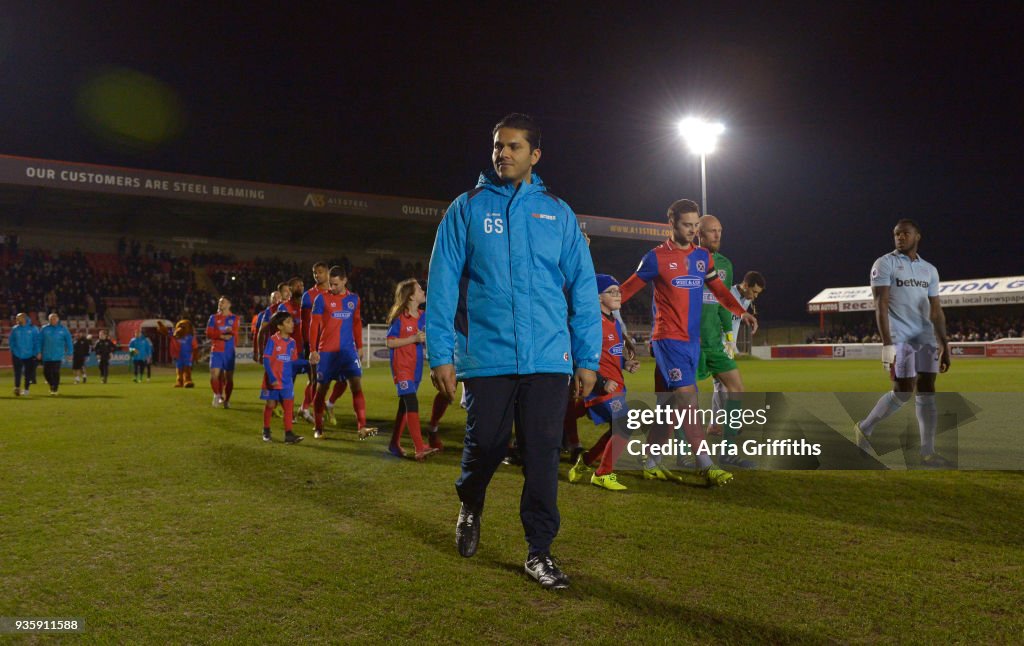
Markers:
point(25, 341)
point(56, 342)
point(511, 286)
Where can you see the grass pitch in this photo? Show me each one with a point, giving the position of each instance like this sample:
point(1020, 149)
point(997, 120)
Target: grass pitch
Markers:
point(157, 518)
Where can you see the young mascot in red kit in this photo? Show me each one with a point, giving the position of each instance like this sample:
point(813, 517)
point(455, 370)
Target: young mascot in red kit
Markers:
point(279, 358)
point(405, 339)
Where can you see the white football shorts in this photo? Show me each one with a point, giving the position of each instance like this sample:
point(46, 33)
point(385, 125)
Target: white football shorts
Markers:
point(914, 358)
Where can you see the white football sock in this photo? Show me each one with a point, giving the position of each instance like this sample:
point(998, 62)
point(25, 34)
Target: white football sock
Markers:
point(888, 404)
point(927, 420)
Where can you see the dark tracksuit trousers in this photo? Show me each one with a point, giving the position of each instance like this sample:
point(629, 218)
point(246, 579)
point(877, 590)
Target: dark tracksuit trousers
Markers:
point(536, 404)
point(28, 366)
point(51, 372)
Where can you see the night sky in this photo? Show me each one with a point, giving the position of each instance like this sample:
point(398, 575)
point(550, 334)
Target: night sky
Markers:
point(840, 118)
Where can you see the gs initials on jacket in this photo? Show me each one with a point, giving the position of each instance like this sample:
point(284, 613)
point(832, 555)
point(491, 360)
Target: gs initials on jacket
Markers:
point(509, 270)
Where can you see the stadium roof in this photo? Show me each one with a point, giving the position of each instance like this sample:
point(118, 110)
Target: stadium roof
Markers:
point(1008, 290)
point(78, 188)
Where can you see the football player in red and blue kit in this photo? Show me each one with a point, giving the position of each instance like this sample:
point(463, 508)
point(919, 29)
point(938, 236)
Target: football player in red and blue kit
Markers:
point(336, 335)
point(679, 270)
point(405, 339)
point(222, 330)
point(259, 335)
point(320, 277)
point(279, 357)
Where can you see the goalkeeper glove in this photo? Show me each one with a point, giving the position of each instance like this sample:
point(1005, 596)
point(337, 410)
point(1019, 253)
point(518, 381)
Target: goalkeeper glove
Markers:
point(888, 356)
point(730, 345)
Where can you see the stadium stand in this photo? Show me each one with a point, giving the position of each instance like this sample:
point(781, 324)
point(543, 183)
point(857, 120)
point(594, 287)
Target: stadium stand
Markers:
point(958, 326)
point(92, 290)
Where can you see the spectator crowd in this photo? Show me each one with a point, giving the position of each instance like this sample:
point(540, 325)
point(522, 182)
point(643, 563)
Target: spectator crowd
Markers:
point(958, 328)
point(163, 285)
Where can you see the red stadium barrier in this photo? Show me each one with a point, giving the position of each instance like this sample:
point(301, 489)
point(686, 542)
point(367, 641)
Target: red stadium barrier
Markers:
point(802, 352)
point(1005, 350)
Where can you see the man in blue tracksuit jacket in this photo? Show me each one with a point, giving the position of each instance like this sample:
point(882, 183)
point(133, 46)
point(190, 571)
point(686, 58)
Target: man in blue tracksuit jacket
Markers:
point(56, 344)
point(25, 349)
point(140, 348)
point(512, 310)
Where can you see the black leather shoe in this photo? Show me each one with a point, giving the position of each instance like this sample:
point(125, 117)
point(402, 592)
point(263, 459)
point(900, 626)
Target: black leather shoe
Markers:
point(542, 568)
point(467, 530)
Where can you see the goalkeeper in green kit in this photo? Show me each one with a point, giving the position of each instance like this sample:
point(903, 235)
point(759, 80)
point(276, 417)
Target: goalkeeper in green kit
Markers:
point(718, 335)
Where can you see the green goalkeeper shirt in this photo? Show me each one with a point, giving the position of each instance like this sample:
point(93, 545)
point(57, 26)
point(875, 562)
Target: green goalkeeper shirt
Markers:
point(715, 319)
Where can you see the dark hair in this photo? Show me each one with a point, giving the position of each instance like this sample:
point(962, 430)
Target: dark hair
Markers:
point(278, 319)
point(320, 264)
point(910, 222)
point(523, 122)
point(293, 280)
point(679, 207)
point(752, 278)
point(337, 271)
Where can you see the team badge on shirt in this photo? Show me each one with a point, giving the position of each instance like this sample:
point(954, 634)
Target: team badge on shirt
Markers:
point(700, 265)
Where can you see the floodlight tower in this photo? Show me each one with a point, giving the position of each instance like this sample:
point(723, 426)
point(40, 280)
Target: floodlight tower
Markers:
point(701, 138)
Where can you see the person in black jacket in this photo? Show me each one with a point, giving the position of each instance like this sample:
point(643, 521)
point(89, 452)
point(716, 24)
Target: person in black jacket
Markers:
point(82, 348)
point(104, 348)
